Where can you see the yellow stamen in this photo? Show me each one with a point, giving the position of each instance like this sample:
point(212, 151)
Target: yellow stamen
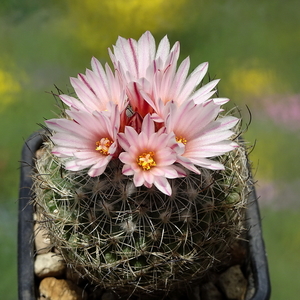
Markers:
point(103, 145)
point(180, 139)
point(146, 160)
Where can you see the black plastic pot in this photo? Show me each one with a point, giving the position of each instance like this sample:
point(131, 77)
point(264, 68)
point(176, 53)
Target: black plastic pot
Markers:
point(26, 278)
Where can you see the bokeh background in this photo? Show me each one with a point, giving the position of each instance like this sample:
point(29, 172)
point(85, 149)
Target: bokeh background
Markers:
point(253, 46)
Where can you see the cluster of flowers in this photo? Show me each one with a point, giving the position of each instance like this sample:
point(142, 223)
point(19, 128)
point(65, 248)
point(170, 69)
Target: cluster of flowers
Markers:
point(147, 113)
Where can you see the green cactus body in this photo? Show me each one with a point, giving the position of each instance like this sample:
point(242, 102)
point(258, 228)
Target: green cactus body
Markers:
point(135, 239)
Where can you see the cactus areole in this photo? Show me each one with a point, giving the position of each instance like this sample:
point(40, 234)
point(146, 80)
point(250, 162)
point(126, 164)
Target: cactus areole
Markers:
point(141, 183)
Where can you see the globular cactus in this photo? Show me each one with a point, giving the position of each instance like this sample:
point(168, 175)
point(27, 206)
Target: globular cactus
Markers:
point(125, 238)
point(134, 238)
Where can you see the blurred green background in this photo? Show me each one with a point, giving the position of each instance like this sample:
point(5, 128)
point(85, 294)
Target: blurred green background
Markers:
point(253, 46)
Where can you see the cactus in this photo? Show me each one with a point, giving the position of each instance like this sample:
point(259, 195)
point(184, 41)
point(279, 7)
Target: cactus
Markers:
point(124, 237)
point(134, 238)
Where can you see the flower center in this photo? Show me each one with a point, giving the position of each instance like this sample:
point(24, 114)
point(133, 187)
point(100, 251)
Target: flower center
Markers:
point(103, 145)
point(146, 160)
point(180, 139)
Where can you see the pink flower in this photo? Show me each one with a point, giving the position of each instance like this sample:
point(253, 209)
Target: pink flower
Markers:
point(138, 61)
point(149, 156)
point(96, 89)
point(199, 134)
point(87, 141)
point(151, 75)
